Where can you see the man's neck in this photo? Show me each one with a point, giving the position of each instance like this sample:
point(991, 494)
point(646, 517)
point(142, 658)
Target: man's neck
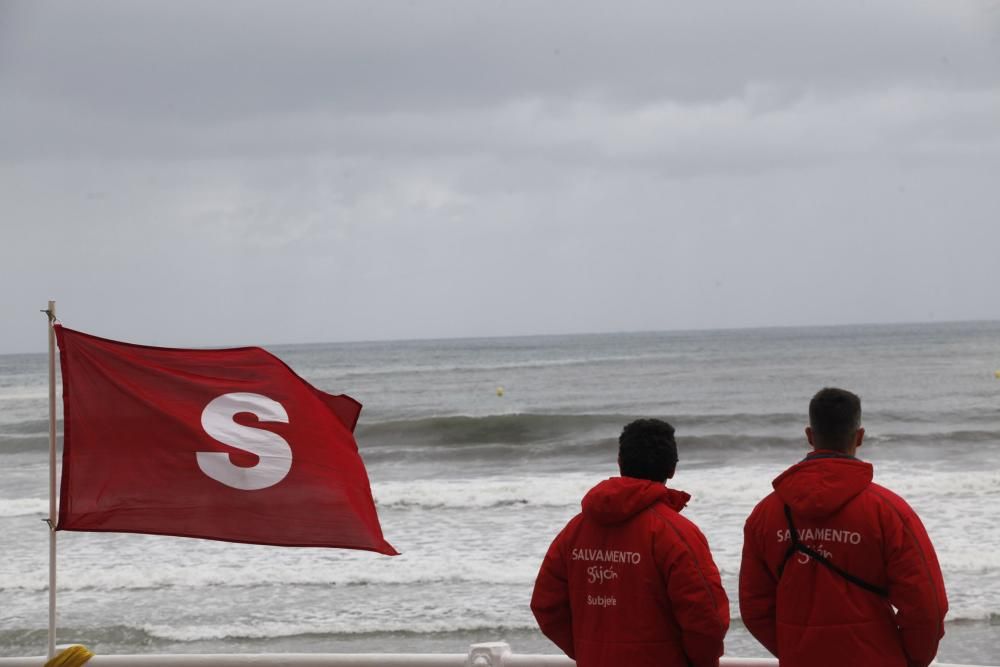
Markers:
point(830, 454)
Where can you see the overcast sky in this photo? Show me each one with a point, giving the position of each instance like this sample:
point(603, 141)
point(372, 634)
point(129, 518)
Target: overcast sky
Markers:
point(216, 173)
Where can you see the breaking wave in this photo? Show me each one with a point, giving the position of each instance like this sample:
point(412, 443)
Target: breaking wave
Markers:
point(490, 492)
point(327, 630)
point(530, 435)
point(734, 431)
point(137, 577)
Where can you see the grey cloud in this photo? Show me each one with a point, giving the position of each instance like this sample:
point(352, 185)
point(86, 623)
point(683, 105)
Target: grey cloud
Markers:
point(208, 173)
point(222, 61)
point(117, 79)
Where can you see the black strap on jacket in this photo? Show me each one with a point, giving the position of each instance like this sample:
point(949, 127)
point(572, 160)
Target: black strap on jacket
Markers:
point(822, 560)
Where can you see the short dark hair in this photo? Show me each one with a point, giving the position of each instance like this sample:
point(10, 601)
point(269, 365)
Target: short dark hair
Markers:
point(834, 416)
point(647, 450)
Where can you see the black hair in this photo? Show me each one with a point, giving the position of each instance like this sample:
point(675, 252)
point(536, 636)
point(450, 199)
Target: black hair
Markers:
point(647, 450)
point(834, 416)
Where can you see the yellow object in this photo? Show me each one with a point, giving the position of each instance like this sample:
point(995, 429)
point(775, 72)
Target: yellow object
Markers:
point(71, 656)
point(996, 374)
point(500, 389)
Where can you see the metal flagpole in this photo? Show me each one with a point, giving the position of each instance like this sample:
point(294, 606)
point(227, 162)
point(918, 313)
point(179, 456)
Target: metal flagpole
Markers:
point(51, 312)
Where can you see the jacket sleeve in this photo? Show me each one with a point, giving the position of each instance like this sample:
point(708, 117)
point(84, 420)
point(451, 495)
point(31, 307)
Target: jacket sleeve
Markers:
point(916, 587)
point(758, 590)
point(550, 600)
point(696, 595)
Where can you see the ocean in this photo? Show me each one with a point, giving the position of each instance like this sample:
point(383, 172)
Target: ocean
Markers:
point(472, 484)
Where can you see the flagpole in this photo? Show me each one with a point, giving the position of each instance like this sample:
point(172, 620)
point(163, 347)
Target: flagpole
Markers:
point(51, 312)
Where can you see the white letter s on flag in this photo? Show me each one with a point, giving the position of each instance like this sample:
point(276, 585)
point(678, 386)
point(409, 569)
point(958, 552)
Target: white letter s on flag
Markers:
point(274, 452)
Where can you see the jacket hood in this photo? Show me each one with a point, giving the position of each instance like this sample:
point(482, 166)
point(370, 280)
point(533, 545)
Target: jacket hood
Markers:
point(619, 498)
point(823, 483)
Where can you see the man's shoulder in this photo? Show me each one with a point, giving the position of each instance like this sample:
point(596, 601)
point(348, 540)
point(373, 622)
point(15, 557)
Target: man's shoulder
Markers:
point(890, 500)
point(571, 526)
point(660, 512)
point(769, 503)
point(672, 525)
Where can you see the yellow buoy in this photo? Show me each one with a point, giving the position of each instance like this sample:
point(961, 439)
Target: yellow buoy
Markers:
point(996, 374)
point(71, 656)
point(500, 389)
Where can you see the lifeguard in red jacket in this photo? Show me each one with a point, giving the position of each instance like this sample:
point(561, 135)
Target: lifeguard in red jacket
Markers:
point(629, 582)
point(837, 570)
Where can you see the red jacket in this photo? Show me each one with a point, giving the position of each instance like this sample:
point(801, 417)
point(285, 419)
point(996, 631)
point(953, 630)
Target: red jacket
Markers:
point(813, 616)
point(630, 582)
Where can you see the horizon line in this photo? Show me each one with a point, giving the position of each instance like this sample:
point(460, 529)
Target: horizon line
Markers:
point(620, 332)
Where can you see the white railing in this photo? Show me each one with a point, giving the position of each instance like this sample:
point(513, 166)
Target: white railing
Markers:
point(494, 654)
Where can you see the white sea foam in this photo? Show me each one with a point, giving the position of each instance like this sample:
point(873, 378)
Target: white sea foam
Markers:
point(915, 481)
point(23, 506)
point(81, 574)
point(541, 490)
point(325, 626)
point(21, 394)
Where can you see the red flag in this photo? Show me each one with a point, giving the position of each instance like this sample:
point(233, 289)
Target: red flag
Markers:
point(220, 444)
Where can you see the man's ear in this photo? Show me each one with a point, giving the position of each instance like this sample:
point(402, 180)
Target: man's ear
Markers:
point(859, 437)
point(809, 436)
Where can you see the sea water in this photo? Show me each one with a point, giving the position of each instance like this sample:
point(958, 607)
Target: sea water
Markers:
point(472, 483)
